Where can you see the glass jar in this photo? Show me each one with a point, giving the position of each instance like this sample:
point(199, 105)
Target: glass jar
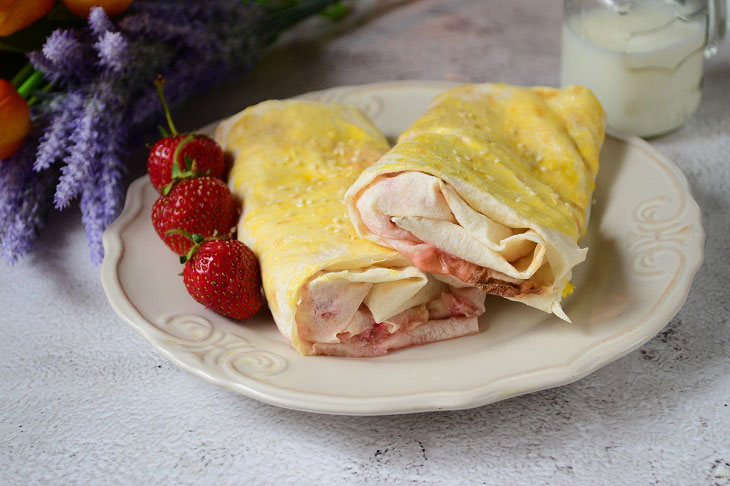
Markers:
point(643, 59)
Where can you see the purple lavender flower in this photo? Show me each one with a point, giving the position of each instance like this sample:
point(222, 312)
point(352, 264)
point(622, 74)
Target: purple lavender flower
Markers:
point(93, 218)
point(63, 58)
point(22, 231)
point(54, 142)
point(102, 194)
point(24, 198)
point(107, 70)
point(112, 48)
point(101, 201)
point(83, 153)
point(15, 171)
point(188, 35)
point(99, 23)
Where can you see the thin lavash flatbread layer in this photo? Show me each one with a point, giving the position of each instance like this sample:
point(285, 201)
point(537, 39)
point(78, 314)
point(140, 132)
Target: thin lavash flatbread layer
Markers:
point(293, 162)
point(495, 175)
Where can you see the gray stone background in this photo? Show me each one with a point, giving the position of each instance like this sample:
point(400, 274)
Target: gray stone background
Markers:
point(84, 399)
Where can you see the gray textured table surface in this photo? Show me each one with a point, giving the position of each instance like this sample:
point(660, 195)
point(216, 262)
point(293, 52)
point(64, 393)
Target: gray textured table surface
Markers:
point(84, 399)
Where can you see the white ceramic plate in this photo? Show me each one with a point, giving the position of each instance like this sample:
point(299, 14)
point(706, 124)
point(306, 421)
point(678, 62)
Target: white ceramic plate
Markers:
point(645, 241)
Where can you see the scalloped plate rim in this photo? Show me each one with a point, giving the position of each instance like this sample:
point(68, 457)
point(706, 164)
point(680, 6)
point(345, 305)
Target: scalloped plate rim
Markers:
point(579, 365)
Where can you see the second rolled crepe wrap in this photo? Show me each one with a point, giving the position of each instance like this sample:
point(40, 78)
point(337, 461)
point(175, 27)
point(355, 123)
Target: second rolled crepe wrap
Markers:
point(330, 291)
point(491, 186)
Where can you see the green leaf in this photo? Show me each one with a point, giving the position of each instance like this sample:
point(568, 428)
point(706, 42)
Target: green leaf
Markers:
point(335, 12)
point(192, 251)
point(175, 171)
point(167, 188)
point(178, 232)
point(4, 46)
point(284, 16)
point(176, 156)
point(188, 161)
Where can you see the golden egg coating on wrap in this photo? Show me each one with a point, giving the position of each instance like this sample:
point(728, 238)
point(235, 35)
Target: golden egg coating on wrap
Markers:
point(492, 186)
point(330, 291)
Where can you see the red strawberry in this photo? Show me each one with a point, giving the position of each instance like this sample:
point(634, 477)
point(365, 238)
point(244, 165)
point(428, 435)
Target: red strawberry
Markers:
point(183, 148)
point(202, 205)
point(224, 276)
point(159, 161)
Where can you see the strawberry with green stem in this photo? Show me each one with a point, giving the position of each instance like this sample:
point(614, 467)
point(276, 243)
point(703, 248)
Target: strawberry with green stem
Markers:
point(198, 205)
point(177, 153)
point(222, 274)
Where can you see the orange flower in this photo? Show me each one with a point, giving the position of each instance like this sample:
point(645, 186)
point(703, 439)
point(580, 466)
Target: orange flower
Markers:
point(14, 118)
point(83, 7)
point(17, 14)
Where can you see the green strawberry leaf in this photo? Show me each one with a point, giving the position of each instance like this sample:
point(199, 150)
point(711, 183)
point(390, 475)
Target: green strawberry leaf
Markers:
point(167, 188)
point(188, 162)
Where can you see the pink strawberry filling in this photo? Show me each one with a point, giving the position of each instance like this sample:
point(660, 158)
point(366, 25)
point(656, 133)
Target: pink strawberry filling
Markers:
point(425, 256)
point(453, 314)
point(431, 259)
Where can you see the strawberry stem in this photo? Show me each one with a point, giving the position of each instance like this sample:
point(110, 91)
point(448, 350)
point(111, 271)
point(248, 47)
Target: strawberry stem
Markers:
point(189, 166)
point(159, 83)
point(177, 175)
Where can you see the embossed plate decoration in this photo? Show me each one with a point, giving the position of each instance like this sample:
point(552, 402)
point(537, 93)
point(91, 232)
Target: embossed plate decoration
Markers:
point(645, 245)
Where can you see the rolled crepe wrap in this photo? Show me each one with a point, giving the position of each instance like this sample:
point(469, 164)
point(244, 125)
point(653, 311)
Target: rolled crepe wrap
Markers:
point(330, 291)
point(491, 186)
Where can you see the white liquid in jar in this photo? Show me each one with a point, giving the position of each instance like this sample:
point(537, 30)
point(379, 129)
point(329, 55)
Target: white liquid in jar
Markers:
point(644, 66)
